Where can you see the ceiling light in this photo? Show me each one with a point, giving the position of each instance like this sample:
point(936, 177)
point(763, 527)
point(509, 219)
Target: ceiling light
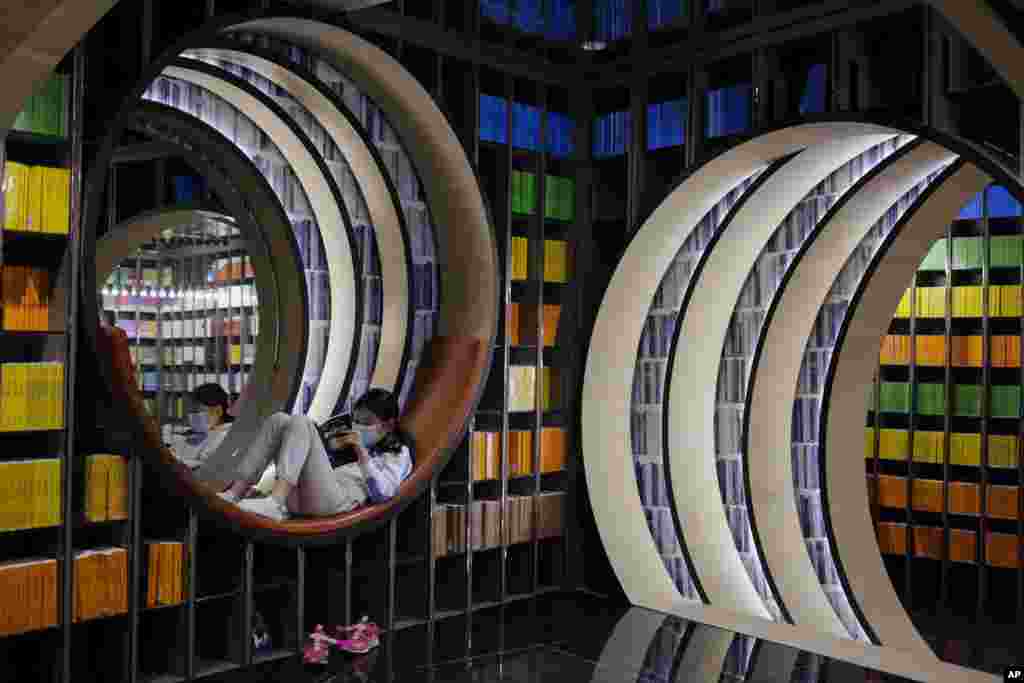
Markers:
point(594, 45)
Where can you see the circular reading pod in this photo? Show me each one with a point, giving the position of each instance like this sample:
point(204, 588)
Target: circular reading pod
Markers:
point(453, 365)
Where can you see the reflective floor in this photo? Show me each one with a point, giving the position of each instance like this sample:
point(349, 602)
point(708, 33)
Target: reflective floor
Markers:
point(565, 638)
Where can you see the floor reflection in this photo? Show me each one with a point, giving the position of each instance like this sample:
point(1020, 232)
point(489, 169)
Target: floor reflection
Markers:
point(565, 638)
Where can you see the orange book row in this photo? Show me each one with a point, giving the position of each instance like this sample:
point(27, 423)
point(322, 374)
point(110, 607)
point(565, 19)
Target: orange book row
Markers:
point(964, 497)
point(485, 452)
point(1001, 550)
point(234, 271)
point(29, 588)
point(522, 324)
point(965, 351)
point(165, 581)
point(101, 583)
point(26, 299)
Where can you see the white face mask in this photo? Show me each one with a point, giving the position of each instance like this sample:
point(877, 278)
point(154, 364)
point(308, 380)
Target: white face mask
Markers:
point(370, 436)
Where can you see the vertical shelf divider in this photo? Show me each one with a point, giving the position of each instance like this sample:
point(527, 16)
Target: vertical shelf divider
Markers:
point(947, 421)
point(908, 591)
point(540, 170)
point(986, 408)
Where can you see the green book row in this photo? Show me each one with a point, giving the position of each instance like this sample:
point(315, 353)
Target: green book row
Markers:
point(559, 197)
point(44, 112)
point(894, 397)
point(1005, 251)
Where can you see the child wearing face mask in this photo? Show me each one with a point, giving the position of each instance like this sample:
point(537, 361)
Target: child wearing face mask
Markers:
point(212, 421)
point(305, 483)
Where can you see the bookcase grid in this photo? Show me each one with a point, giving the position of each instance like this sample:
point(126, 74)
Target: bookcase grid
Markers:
point(980, 252)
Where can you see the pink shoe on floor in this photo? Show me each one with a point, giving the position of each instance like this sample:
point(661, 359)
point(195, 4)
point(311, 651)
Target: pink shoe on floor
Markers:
point(362, 637)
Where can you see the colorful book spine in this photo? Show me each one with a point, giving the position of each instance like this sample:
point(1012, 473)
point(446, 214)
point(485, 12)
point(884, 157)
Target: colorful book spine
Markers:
point(165, 579)
point(106, 488)
point(520, 258)
point(30, 494)
point(36, 198)
point(556, 261)
point(33, 396)
point(26, 299)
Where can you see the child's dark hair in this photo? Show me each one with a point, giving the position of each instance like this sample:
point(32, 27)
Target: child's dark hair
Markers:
point(380, 402)
point(211, 395)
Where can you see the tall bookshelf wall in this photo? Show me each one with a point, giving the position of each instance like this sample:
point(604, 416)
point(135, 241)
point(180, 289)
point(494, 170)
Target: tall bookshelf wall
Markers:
point(41, 565)
point(943, 440)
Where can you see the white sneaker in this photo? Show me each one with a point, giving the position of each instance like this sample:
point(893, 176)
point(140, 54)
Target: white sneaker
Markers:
point(268, 507)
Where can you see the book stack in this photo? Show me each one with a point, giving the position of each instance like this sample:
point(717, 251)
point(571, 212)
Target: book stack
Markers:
point(964, 449)
point(966, 400)
point(165, 575)
point(553, 451)
point(931, 302)
point(30, 494)
point(101, 583)
point(44, 113)
point(29, 588)
point(894, 397)
point(967, 301)
point(1005, 401)
point(895, 350)
point(931, 349)
point(33, 396)
point(931, 399)
point(1004, 301)
point(106, 487)
point(485, 452)
point(518, 520)
point(485, 524)
point(1002, 501)
point(1002, 550)
point(520, 453)
point(929, 447)
point(550, 517)
point(26, 299)
point(1002, 450)
point(449, 537)
point(520, 258)
point(524, 193)
point(556, 261)
point(560, 198)
point(36, 198)
point(1006, 251)
point(1004, 351)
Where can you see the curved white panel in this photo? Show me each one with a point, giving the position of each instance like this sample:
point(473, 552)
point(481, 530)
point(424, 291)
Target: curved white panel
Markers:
point(691, 388)
point(775, 378)
point(341, 268)
point(383, 213)
point(856, 359)
point(608, 375)
point(466, 252)
point(704, 658)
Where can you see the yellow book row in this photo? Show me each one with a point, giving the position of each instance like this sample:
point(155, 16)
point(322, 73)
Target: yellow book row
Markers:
point(929, 447)
point(106, 487)
point(1005, 301)
point(522, 393)
point(36, 198)
point(101, 583)
point(29, 590)
point(32, 396)
point(30, 494)
point(556, 260)
point(166, 575)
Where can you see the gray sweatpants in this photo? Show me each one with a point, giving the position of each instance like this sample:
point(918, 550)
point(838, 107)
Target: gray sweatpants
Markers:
point(293, 444)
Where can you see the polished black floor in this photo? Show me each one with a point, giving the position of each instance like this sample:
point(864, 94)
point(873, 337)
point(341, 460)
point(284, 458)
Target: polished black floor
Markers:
point(564, 638)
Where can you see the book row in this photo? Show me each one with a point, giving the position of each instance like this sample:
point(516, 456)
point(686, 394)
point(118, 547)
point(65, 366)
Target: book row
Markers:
point(555, 19)
point(30, 494)
point(522, 388)
point(32, 396)
point(229, 354)
point(485, 453)
point(1005, 251)
point(494, 123)
point(100, 583)
point(29, 588)
point(187, 381)
point(895, 397)
point(556, 260)
point(966, 351)
point(929, 447)
point(486, 519)
point(165, 573)
point(523, 322)
point(187, 328)
point(26, 298)
point(559, 196)
point(968, 301)
point(106, 487)
point(45, 112)
point(36, 198)
point(1000, 549)
point(127, 297)
point(926, 495)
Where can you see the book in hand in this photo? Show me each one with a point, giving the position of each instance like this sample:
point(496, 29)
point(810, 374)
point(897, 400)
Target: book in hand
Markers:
point(332, 428)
